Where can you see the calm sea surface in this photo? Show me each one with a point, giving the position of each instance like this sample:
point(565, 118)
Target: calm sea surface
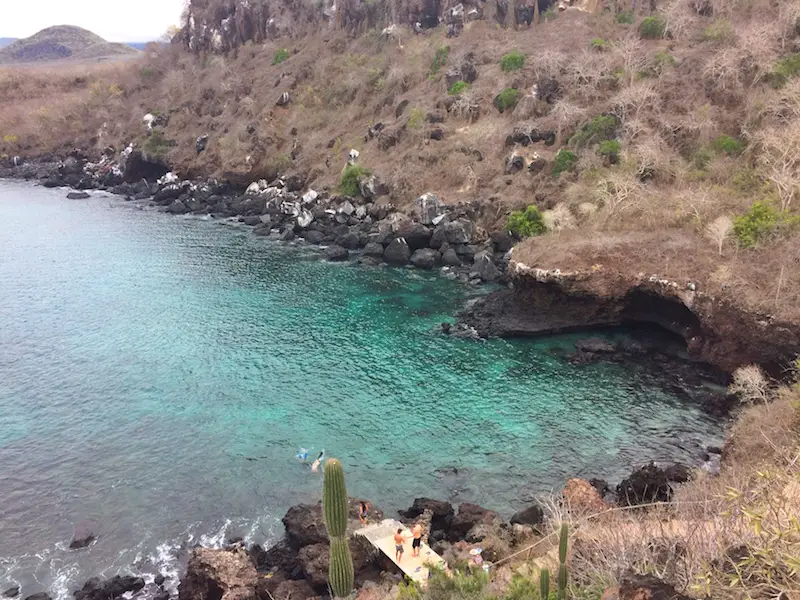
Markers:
point(158, 375)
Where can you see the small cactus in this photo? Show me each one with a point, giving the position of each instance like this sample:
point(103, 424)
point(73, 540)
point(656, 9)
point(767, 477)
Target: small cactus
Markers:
point(334, 499)
point(544, 584)
point(562, 561)
point(340, 573)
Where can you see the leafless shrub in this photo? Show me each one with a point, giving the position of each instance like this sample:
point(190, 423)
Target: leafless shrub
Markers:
point(718, 231)
point(618, 190)
point(750, 384)
point(567, 116)
point(632, 101)
point(633, 55)
point(549, 63)
point(756, 46)
point(780, 156)
point(724, 69)
point(559, 218)
point(678, 18)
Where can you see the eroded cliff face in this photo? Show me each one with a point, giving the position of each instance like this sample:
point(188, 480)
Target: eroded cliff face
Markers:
point(223, 25)
point(716, 330)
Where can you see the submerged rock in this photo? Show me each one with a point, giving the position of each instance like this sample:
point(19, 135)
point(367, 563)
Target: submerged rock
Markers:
point(650, 484)
point(397, 252)
point(336, 253)
point(533, 515)
point(99, 589)
point(77, 196)
point(39, 596)
point(11, 592)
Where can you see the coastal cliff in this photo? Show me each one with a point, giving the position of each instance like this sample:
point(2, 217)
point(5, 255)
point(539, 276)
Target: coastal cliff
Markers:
point(716, 331)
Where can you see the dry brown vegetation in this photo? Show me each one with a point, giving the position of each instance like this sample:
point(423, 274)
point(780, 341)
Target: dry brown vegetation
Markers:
point(660, 204)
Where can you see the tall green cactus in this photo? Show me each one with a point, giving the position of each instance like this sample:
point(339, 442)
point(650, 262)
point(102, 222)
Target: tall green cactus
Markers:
point(335, 510)
point(340, 573)
point(544, 584)
point(334, 499)
point(562, 561)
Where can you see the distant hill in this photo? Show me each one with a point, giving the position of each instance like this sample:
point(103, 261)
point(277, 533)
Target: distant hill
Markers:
point(62, 42)
point(138, 45)
point(6, 41)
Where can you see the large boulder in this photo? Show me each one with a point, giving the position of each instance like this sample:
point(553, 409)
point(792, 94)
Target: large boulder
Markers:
point(305, 525)
point(643, 587)
point(427, 207)
point(581, 496)
point(441, 510)
point(397, 252)
point(424, 258)
point(469, 515)
point(416, 234)
point(649, 484)
point(103, 589)
point(280, 557)
point(218, 575)
point(373, 249)
point(485, 268)
point(460, 231)
point(532, 515)
point(350, 240)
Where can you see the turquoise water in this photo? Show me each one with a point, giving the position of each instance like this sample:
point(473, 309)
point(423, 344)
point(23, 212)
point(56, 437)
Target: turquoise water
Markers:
point(158, 374)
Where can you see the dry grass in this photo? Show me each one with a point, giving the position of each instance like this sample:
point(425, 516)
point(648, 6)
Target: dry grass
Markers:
point(731, 536)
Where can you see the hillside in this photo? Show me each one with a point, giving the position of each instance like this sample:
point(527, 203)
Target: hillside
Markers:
point(6, 41)
point(59, 43)
point(661, 140)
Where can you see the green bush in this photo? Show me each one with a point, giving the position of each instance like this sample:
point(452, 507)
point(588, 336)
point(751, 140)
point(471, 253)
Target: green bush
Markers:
point(601, 127)
point(626, 17)
point(719, 31)
point(652, 28)
point(458, 88)
point(728, 145)
point(507, 99)
point(550, 14)
point(513, 61)
point(664, 60)
point(416, 118)
point(351, 177)
point(459, 584)
point(610, 149)
point(565, 161)
point(156, 145)
point(756, 225)
point(440, 59)
point(526, 223)
point(785, 69)
point(281, 55)
point(600, 44)
point(702, 158)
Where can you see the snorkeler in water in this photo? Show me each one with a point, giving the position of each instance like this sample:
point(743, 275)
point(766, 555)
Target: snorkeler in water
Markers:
point(316, 463)
point(302, 456)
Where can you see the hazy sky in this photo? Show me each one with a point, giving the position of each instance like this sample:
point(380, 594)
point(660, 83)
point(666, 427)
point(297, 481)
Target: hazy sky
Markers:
point(115, 20)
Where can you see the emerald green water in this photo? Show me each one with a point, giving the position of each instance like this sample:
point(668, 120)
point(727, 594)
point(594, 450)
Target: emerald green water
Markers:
point(158, 375)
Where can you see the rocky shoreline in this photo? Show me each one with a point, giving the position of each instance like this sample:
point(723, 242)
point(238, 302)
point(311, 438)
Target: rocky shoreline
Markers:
point(296, 566)
point(434, 235)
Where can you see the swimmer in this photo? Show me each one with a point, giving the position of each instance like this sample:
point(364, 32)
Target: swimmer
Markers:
point(316, 463)
point(302, 456)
